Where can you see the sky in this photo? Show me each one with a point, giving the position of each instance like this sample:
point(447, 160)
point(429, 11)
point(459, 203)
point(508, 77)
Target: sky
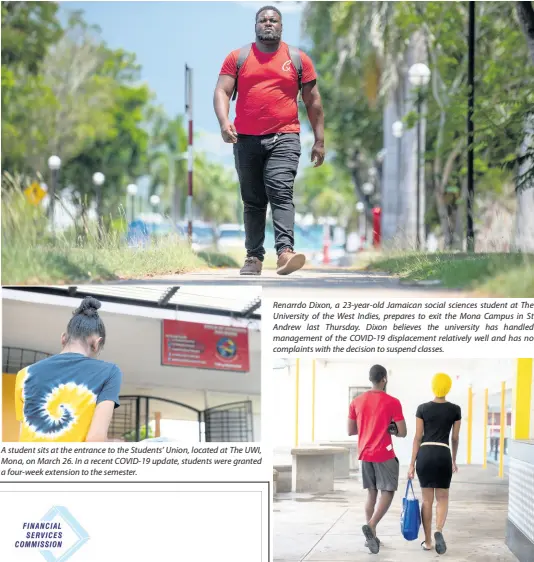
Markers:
point(167, 35)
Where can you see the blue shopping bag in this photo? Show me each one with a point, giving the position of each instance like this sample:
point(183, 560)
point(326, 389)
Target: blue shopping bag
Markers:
point(410, 521)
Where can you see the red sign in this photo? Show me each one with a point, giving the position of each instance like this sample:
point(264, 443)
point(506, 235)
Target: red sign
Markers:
point(205, 346)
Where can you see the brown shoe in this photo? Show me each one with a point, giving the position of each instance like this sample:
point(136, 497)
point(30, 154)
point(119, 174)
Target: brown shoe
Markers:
point(289, 261)
point(252, 267)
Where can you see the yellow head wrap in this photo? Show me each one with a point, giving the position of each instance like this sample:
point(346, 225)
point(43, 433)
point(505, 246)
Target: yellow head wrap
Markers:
point(441, 385)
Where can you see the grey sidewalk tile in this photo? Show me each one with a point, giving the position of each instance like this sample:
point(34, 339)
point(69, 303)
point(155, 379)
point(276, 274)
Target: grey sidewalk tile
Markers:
point(292, 547)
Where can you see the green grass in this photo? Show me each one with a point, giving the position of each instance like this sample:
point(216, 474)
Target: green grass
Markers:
point(501, 275)
point(31, 255)
point(216, 259)
point(59, 263)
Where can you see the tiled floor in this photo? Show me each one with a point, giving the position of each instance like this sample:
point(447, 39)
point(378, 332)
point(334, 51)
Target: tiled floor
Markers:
point(328, 528)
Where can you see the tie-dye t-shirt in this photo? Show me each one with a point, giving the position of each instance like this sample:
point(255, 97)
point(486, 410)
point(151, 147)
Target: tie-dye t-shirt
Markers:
point(55, 399)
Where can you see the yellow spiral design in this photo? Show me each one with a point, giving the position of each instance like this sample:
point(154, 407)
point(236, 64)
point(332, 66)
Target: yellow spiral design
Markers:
point(65, 415)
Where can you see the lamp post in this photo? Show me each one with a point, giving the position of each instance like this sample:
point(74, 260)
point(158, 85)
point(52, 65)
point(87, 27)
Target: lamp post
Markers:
point(189, 113)
point(419, 76)
point(98, 179)
point(367, 189)
point(54, 164)
point(131, 189)
point(397, 129)
point(154, 200)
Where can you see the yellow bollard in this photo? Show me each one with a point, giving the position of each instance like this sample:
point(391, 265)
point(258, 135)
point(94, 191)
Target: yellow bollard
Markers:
point(297, 404)
point(503, 427)
point(313, 402)
point(485, 428)
point(469, 423)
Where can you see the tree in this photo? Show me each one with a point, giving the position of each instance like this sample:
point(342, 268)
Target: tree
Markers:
point(168, 170)
point(121, 154)
point(28, 30)
point(371, 45)
point(216, 195)
point(525, 191)
point(365, 61)
point(525, 13)
point(78, 99)
point(326, 192)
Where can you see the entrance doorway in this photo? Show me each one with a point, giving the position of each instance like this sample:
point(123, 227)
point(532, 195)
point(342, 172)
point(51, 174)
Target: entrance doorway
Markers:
point(142, 417)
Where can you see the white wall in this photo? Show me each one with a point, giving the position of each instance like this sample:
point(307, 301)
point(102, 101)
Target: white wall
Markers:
point(409, 380)
point(133, 342)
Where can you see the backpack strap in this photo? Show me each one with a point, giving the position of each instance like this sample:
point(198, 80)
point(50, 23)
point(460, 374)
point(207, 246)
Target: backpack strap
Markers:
point(241, 58)
point(294, 55)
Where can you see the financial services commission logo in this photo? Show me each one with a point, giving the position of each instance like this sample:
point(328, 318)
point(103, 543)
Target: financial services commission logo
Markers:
point(227, 348)
point(57, 536)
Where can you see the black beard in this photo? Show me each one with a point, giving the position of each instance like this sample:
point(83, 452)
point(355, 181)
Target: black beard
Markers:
point(269, 36)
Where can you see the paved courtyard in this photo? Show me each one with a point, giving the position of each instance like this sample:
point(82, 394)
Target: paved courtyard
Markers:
point(327, 528)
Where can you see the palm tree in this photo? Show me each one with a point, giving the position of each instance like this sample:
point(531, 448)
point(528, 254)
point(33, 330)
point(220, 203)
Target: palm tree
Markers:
point(167, 165)
point(216, 197)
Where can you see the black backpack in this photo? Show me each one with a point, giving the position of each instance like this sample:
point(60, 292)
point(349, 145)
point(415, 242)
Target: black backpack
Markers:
point(294, 55)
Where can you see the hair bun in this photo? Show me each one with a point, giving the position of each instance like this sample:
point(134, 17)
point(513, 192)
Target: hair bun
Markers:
point(88, 307)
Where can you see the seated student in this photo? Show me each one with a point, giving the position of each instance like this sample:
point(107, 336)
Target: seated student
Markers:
point(70, 396)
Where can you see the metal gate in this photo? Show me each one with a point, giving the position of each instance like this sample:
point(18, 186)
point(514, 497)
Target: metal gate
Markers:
point(229, 422)
point(16, 358)
point(134, 420)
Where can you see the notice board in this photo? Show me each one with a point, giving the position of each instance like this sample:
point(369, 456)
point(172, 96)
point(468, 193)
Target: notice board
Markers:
point(205, 346)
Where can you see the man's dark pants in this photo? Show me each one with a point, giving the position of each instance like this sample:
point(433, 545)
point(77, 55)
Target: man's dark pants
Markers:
point(266, 167)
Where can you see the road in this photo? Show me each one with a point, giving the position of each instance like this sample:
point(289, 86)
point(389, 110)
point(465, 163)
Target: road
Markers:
point(309, 281)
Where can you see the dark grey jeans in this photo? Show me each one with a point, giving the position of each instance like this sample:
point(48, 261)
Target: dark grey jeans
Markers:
point(267, 166)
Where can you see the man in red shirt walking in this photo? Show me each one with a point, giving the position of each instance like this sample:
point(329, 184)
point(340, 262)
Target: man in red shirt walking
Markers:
point(266, 135)
point(374, 416)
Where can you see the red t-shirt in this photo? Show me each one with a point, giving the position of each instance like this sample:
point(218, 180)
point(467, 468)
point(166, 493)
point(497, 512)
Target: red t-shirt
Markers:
point(267, 90)
point(373, 411)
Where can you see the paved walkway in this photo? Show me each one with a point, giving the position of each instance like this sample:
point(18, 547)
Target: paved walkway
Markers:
point(328, 528)
point(312, 281)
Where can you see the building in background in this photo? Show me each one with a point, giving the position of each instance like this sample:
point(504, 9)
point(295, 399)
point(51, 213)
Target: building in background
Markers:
point(496, 397)
point(190, 356)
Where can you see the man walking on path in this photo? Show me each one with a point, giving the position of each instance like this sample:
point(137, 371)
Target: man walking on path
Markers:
point(374, 416)
point(266, 135)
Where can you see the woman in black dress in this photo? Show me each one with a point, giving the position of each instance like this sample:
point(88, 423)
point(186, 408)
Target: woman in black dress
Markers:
point(433, 459)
